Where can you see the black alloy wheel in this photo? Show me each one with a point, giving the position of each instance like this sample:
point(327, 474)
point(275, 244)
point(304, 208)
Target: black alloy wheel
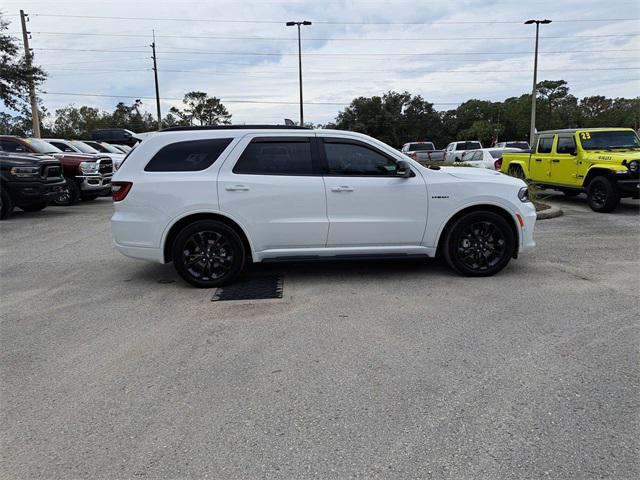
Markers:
point(479, 244)
point(69, 194)
point(602, 195)
point(208, 254)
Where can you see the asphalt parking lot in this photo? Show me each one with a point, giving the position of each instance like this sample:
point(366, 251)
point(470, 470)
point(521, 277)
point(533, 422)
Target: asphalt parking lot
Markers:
point(114, 368)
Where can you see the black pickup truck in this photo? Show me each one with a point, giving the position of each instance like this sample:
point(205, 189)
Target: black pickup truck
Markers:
point(28, 182)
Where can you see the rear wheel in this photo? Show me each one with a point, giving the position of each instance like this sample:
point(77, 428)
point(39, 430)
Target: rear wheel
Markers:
point(208, 254)
point(603, 195)
point(6, 204)
point(515, 171)
point(70, 193)
point(35, 207)
point(479, 244)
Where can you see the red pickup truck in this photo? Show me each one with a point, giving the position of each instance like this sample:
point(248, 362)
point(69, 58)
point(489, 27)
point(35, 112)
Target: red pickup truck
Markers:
point(86, 176)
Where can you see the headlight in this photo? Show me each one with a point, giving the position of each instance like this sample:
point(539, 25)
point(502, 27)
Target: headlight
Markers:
point(89, 167)
point(25, 171)
point(633, 166)
point(523, 194)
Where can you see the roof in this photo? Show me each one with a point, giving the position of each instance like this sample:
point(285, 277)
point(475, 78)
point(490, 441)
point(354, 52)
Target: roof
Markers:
point(235, 127)
point(574, 130)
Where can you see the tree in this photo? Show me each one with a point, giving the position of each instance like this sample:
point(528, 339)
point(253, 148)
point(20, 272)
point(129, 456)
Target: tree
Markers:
point(201, 109)
point(14, 73)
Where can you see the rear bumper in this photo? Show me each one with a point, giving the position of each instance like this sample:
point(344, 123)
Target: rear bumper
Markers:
point(141, 253)
point(28, 193)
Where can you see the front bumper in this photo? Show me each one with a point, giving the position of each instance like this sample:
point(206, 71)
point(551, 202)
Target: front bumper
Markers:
point(528, 214)
point(96, 184)
point(629, 186)
point(28, 193)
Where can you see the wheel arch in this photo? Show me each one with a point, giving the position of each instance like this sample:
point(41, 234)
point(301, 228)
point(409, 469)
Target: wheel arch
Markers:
point(486, 207)
point(596, 171)
point(517, 164)
point(182, 222)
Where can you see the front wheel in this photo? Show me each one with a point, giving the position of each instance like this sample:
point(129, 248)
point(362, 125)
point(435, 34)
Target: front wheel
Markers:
point(70, 193)
point(208, 254)
point(603, 195)
point(479, 244)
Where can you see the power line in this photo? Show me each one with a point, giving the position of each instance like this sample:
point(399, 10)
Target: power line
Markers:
point(412, 39)
point(326, 22)
point(266, 102)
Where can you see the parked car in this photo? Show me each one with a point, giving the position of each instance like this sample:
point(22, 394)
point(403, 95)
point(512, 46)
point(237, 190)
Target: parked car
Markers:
point(454, 151)
point(123, 148)
point(490, 158)
point(603, 162)
point(106, 149)
point(77, 146)
point(422, 151)
point(87, 176)
point(519, 144)
point(115, 135)
point(212, 199)
point(28, 182)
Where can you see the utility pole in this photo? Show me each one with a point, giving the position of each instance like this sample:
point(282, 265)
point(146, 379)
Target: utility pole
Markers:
point(291, 24)
point(35, 117)
point(532, 131)
point(155, 75)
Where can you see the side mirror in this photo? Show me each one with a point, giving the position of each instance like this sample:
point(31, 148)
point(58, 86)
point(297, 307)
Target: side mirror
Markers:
point(402, 169)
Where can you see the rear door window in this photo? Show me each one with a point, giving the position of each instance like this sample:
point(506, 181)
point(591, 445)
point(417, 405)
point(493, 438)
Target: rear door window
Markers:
point(189, 156)
point(545, 144)
point(276, 156)
point(566, 145)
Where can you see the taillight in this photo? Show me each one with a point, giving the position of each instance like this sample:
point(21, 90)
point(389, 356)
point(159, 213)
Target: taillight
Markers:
point(119, 190)
point(497, 164)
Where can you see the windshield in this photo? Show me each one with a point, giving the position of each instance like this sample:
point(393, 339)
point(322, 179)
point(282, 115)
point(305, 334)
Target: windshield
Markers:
point(468, 146)
point(41, 146)
point(608, 140)
point(420, 147)
point(83, 147)
point(110, 148)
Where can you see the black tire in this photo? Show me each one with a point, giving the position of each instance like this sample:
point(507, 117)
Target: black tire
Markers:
point(35, 207)
point(6, 204)
point(516, 171)
point(88, 198)
point(198, 249)
point(70, 193)
point(603, 195)
point(479, 244)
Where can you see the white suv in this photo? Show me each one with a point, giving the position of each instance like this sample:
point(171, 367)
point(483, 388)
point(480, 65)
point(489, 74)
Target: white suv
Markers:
point(212, 199)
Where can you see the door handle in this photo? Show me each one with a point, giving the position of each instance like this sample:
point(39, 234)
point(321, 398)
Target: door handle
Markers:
point(538, 159)
point(555, 160)
point(342, 188)
point(237, 188)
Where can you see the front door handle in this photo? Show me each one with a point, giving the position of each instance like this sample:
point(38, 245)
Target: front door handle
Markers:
point(343, 188)
point(555, 160)
point(237, 188)
point(538, 159)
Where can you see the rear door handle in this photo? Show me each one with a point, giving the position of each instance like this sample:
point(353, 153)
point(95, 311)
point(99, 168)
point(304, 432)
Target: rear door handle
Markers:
point(343, 188)
point(538, 159)
point(237, 188)
point(555, 160)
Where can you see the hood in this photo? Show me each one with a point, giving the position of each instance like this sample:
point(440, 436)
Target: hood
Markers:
point(617, 155)
point(470, 173)
point(82, 157)
point(18, 159)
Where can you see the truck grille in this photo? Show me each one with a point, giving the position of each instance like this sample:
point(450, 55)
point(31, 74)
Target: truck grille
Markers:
point(106, 166)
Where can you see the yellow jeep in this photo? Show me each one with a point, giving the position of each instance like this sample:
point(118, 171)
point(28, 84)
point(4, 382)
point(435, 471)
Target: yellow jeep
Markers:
point(603, 162)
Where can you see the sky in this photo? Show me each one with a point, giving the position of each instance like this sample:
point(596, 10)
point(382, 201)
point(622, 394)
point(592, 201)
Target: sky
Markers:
point(242, 52)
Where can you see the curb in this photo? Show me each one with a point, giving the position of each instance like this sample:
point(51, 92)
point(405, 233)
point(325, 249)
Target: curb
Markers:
point(552, 212)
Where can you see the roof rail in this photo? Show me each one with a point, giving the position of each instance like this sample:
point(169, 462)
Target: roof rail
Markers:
point(235, 127)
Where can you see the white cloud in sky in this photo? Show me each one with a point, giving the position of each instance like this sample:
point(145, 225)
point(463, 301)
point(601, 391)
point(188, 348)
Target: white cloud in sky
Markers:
point(351, 60)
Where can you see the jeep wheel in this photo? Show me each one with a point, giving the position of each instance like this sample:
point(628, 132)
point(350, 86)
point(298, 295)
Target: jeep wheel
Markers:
point(516, 171)
point(602, 195)
point(35, 207)
point(208, 254)
point(6, 204)
point(479, 244)
point(70, 193)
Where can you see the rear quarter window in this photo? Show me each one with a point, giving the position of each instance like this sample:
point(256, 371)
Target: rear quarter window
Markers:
point(187, 156)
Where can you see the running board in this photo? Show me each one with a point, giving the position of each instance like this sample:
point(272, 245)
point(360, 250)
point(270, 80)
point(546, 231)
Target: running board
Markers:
point(351, 257)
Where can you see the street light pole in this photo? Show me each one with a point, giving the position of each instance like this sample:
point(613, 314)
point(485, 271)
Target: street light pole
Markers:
point(291, 24)
point(532, 131)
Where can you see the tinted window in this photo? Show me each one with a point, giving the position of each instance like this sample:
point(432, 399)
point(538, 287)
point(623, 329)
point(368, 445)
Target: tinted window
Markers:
point(11, 146)
point(61, 146)
point(420, 147)
point(496, 153)
point(187, 156)
point(566, 145)
point(544, 144)
point(276, 158)
point(522, 145)
point(351, 159)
